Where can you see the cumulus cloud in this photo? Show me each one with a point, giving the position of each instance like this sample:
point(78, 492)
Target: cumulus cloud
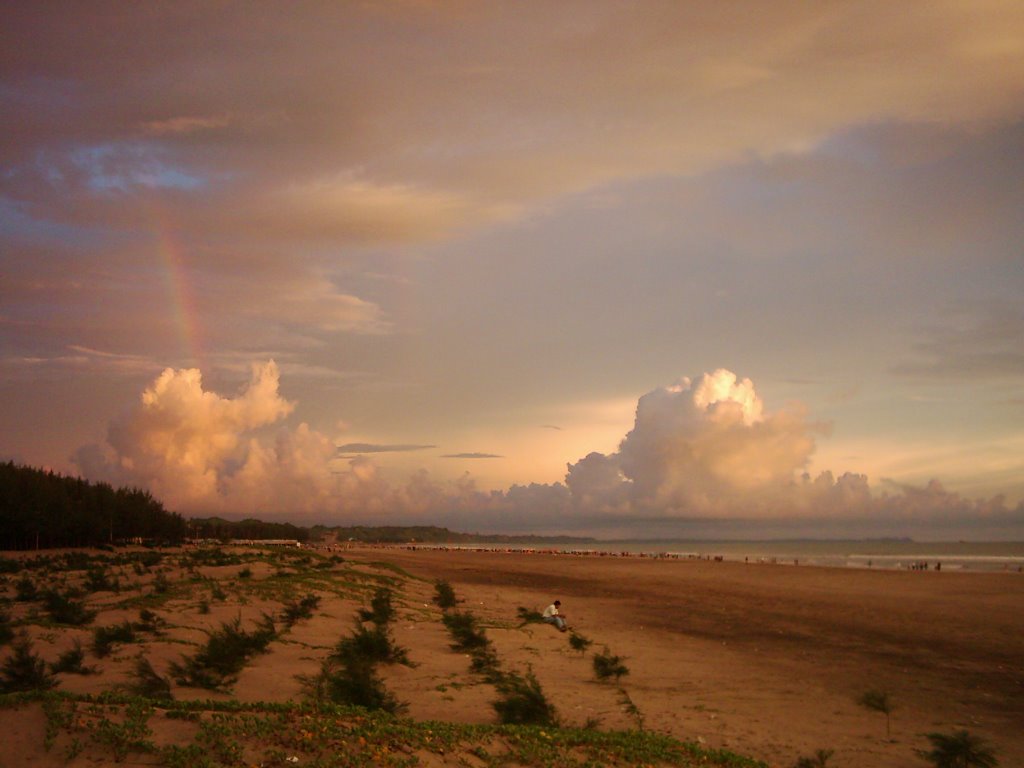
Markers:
point(201, 452)
point(704, 447)
point(179, 440)
point(709, 450)
point(705, 450)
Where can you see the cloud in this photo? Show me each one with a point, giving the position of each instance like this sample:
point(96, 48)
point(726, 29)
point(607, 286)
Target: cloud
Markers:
point(702, 452)
point(986, 344)
point(180, 440)
point(375, 448)
point(700, 448)
point(471, 456)
point(708, 450)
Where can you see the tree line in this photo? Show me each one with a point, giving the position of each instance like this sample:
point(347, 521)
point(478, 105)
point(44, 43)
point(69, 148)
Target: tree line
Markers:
point(40, 509)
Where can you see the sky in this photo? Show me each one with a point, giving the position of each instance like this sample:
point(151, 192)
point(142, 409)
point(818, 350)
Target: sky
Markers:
point(640, 269)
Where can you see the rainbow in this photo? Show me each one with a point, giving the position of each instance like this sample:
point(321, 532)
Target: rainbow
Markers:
point(180, 293)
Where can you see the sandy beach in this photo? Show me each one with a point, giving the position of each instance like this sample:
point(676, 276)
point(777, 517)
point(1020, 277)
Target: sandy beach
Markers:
point(764, 660)
point(767, 660)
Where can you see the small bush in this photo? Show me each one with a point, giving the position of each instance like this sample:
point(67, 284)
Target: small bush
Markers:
point(578, 642)
point(224, 654)
point(878, 701)
point(523, 702)
point(23, 670)
point(818, 760)
point(381, 610)
point(465, 631)
point(444, 595)
point(104, 638)
point(147, 682)
point(65, 609)
point(960, 749)
point(97, 580)
point(161, 584)
point(149, 622)
point(355, 682)
point(25, 590)
point(529, 616)
point(303, 609)
point(372, 645)
point(245, 573)
point(608, 665)
point(6, 631)
point(72, 661)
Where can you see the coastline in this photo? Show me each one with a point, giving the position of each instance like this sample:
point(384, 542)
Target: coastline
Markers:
point(768, 661)
point(1006, 557)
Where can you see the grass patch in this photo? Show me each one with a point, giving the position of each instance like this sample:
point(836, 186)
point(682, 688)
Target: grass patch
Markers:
point(331, 736)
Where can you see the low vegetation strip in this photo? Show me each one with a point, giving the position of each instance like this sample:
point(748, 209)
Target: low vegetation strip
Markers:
point(221, 734)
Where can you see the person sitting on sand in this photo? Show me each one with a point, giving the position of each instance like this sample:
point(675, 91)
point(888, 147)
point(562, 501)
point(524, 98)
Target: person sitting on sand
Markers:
point(553, 616)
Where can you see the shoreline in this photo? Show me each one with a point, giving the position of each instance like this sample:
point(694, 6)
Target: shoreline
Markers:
point(937, 561)
point(769, 662)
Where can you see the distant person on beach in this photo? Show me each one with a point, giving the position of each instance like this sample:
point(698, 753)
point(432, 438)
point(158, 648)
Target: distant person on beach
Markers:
point(553, 616)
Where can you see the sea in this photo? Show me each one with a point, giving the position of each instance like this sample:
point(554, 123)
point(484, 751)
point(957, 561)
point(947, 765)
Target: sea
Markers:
point(984, 556)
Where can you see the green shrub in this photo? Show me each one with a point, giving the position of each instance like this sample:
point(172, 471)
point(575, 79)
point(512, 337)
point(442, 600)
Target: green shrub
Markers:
point(103, 638)
point(225, 653)
point(97, 580)
point(355, 682)
point(25, 590)
point(522, 702)
point(578, 642)
point(444, 595)
point(608, 665)
point(373, 645)
point(529, 616)
point(465, 631)
point(381, 610)
point(23, 670)
point(72, 661)
point(960, 749)
point(65, 609)
point(245, 573)
point(6, 631)
point(303, 609)
point(819, 760)
point(149, 622)
point(878, 701)
point(147, 682)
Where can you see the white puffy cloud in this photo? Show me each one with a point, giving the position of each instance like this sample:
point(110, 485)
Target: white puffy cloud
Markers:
point(708, 450)
point(180, 440)
point(705, 451)
point(705, 447)
point(200, 453)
